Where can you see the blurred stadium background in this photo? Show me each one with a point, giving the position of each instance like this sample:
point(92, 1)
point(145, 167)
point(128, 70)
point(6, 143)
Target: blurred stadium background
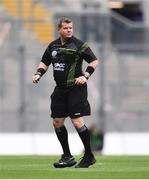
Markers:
point(118, 32)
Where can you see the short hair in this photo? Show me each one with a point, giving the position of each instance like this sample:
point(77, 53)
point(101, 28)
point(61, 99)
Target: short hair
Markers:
point(63, 20)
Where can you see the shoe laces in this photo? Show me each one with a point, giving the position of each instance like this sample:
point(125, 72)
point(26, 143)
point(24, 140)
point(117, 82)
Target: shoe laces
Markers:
point(64, 157)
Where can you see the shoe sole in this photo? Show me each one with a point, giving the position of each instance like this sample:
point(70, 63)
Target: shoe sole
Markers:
point(66, 165)
point(93, 162)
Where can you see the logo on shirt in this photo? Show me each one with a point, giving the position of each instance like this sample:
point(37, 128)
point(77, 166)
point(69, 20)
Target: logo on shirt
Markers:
point(59, 66)
point(54, 53)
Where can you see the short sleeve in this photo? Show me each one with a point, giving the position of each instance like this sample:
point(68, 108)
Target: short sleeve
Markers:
point(87, 54)
point(46, 58)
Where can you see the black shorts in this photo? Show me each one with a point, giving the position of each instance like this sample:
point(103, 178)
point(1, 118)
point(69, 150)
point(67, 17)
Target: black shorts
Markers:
point(71, 101)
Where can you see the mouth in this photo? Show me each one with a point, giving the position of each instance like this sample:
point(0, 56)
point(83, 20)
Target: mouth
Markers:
point(70, 34)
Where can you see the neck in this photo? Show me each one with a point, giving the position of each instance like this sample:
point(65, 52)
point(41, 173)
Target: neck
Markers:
point(63, 41)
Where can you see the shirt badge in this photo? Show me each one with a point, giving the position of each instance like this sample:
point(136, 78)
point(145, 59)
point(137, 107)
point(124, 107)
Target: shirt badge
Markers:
point(54, 53)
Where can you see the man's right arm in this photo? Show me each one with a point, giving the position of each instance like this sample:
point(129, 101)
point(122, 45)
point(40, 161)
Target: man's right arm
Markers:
point(42, 68)
point(43, 65)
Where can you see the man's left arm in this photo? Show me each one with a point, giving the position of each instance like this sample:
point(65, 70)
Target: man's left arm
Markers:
point(90, 69)
point(88, 72)
point(88, 55)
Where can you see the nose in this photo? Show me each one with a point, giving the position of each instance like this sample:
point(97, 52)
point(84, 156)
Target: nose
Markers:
point(69, 29)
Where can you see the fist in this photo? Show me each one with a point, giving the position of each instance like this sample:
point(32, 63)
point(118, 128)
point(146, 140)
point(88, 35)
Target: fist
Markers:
point(80, 80)
point(36, 78)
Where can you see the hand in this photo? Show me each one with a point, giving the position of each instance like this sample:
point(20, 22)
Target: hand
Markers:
point(80, 80)
point(36, 78)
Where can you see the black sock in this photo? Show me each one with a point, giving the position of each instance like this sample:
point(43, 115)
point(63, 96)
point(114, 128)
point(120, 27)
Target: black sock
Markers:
point(85, 137)
point(62, 136)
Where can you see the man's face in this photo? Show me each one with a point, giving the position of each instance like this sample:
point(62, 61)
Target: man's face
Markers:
point(66, 31)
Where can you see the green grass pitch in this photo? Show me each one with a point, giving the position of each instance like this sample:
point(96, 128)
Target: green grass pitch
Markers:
point(41, 167)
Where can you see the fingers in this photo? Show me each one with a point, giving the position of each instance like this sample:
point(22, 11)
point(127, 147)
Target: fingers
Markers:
point(36, 78)
point(80, 80)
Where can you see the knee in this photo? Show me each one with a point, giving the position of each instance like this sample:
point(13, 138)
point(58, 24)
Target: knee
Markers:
point(57, 123)
point(78, 123)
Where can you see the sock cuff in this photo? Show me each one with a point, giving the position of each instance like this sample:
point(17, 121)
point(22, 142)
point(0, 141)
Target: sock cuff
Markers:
point(82, 129)
point(58, 130)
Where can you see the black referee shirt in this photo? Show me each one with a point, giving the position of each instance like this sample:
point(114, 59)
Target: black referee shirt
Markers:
point(67, 59)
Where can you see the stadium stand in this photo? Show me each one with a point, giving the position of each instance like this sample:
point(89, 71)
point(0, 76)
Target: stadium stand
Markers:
point(30, 11)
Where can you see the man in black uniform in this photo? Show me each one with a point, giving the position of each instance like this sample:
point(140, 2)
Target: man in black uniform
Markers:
point(69, 98)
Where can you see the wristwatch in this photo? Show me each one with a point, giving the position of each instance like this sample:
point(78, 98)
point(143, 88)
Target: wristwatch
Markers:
point(86, 76)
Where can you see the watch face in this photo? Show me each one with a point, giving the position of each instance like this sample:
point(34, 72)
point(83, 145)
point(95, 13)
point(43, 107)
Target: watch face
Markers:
point(86, 77)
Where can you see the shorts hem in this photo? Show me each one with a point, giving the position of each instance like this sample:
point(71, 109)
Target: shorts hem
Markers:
point(77, 116)
point(52, 116)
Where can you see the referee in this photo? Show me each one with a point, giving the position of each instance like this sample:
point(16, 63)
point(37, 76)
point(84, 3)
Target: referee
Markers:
point(69, 98)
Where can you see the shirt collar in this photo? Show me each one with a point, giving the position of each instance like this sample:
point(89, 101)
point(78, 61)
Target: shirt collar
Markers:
point(68, 41)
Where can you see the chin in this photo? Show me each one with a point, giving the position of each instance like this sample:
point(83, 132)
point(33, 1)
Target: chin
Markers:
point(69, 36)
